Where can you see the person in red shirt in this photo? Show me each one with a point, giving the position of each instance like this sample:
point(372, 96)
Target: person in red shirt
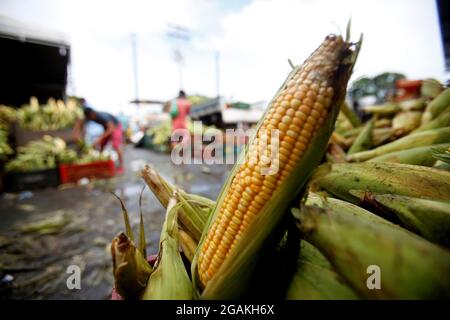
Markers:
point(179, 116)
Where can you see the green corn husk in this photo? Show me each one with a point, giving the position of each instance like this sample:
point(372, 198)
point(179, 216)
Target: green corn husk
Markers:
point(441, 154)
point(442, 120)
point(406, 121)
point(419, 139)
point(187, 244)
point(169, 279)
point(194, 210)
point(382, 135)
point(386, 178)
point(350, 115)
point(379, 124)
point(343, 207)
point(412, 104)
point(131, 270)
point(410, 267)
point(431, 88)
point(435, 107)
point(428, 218)
point(315, 278)
point(232, 279)
point(364, 139)
point(386, 109)
point(421, 156)
point(130, 267)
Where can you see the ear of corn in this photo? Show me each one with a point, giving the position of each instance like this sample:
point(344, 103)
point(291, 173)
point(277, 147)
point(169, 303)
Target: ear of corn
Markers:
point(130, 267)
point(435, 107)
point(251, 204)
point(316, 279)
point(388, 108)
point(169, 279)
point(387, 178)
point(431, 88)
point(410, 267)
point(428, 218)
point(364, 139)
point(425, 138)
point(406, 121)
point(441, 154)
point(440, 121)
point(131, 270)
point(421, 156)
point(343, 207)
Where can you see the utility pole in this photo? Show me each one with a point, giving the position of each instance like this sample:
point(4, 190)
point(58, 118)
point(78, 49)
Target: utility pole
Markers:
point(135, 65)
point(217, 62)
point(179, 34)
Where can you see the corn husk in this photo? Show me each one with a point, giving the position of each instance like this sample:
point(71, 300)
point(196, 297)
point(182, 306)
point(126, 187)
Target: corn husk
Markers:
point(428, 218)
point(410, 267)
point(419, 139)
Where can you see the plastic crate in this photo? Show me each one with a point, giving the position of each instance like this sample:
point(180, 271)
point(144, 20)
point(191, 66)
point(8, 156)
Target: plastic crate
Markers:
point(20, 181)
point(94, 170)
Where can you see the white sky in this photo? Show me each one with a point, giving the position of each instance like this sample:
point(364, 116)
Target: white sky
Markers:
point(255, 39)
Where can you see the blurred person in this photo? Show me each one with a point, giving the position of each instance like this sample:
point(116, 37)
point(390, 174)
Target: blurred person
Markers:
point(111, 126)
point(179, 111)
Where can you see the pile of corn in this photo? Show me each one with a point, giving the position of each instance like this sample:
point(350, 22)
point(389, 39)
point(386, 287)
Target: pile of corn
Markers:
point(47, 153)
point(7, 116)
point(327, 229)
point(54, 115)
point(401, 132)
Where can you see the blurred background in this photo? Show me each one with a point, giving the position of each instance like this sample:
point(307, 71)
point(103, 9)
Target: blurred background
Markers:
point(128, 61)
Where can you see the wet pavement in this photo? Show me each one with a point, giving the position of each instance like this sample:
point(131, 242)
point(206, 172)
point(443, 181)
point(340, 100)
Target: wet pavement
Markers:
point(78, 223)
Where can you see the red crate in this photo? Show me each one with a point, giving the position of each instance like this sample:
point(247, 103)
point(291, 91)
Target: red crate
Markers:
point(94, 170)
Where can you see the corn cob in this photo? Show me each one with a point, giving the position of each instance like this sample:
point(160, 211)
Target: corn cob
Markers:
point(428, 218)
point(435, 107)
point(406, 121)
point(412, 104)
point(169, 279)
point(421, 156)
point(386, 109)
point(419, 139)
point(440, 121)
point(130, 267)
point(430, 88)
point(387, 178)
point(315, 278)
point(303, 112)
point(379, 123)
point(364, 139)
point(410, 267)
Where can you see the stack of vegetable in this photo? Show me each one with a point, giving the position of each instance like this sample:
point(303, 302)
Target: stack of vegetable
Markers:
point(161, 134)
point(49, 151)
point(402, 132)
point(37, 155)
point(54, 115)
point(7, 116)
point(335, 230)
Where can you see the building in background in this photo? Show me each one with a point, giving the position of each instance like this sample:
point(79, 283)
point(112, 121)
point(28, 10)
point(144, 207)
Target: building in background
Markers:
point(33, 62)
